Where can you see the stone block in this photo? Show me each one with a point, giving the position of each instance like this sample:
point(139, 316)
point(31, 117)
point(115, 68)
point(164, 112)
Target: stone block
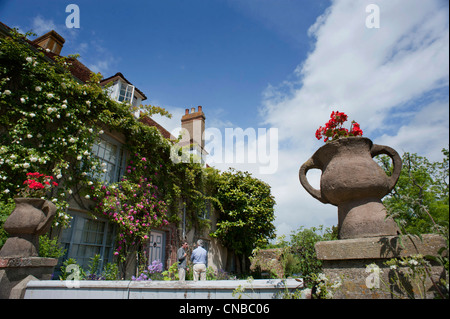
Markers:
point(348, 259)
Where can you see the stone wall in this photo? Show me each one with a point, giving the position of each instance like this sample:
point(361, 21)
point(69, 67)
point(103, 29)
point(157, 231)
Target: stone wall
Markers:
point(348, 260)
point(268, 262)
point(16, 272)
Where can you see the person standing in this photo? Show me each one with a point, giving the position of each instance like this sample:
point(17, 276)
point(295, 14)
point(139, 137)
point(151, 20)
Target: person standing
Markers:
point(199, 259)
point(181, 256)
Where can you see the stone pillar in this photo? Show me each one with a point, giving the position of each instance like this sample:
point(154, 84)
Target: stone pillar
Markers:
point(15, 272)
point(348, 259)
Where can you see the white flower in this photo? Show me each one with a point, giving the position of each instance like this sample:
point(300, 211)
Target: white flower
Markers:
point(70, 191)
point(413, 262)
point(32, 115)
point(86, 153)
point(6, 191)
point(72, 140)
point(101, 132)
point(90, 183)
point(13, 157)
point(22, 100)
point(29, 59)
point(64, 106)
point(393, 267)
point(33, 159)
point(50, 95)
point(88, 103)
point(322, 277)
point(29, 135)
point(26, 165)
point(50, 110)
point(87, 197)
point(7, 92)
point(337, 283)
point(47, 50)
point(58, 176)
point(38, 89)
point(79, 157)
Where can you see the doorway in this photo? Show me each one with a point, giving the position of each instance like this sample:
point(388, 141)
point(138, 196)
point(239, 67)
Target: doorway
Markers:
point(157, 246)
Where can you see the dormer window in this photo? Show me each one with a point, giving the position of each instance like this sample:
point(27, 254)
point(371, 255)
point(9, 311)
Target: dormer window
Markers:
point(121, 90)
point(126, 92)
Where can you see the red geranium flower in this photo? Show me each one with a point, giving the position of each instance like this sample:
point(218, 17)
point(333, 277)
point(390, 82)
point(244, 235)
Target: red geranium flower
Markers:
point(334, 128)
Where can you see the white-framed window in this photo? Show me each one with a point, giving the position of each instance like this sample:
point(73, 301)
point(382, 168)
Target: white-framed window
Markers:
point(126, 92)
point(113, 156)
point(86, 238)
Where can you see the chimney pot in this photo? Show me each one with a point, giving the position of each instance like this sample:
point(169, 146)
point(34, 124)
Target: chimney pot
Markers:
point(186, 112)
point(193, 110)
point(199, 108)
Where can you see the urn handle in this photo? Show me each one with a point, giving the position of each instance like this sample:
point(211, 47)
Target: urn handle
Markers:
point(396, 160)
point(310, 164)
point(49, 210)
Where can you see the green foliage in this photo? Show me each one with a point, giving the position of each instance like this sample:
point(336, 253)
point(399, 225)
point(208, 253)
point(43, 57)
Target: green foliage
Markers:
point(419, 204)
point(420, 201)
point(171, 273)
point(70, 270)
point(302, 245)
point(50, 248)
point(110, 271)
point(67, 270)
point(6, 209)
point(246, 212)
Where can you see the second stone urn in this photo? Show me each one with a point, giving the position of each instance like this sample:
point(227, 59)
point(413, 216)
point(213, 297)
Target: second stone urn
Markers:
point(355, 183)
point(31, 218)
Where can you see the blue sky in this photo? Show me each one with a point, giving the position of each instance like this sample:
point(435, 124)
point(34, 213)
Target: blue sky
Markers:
point(283, 64)
point(217, 53)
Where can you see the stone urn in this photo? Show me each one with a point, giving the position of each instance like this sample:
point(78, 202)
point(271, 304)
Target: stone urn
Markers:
point(31, 218)
point(355, 183)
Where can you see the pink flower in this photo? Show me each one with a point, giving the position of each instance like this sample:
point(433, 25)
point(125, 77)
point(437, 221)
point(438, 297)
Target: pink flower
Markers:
point(144, 159)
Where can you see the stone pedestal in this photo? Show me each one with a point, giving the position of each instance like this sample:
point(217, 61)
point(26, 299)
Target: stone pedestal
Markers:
point(16, 272)
point(348, 259)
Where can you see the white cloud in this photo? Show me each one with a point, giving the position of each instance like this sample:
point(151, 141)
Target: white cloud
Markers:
point(373, 75)
point(40, 26)
point(99, 58)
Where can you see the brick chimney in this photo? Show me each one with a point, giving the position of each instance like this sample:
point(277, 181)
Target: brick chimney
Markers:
point(194, 122)
point(52, 41)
